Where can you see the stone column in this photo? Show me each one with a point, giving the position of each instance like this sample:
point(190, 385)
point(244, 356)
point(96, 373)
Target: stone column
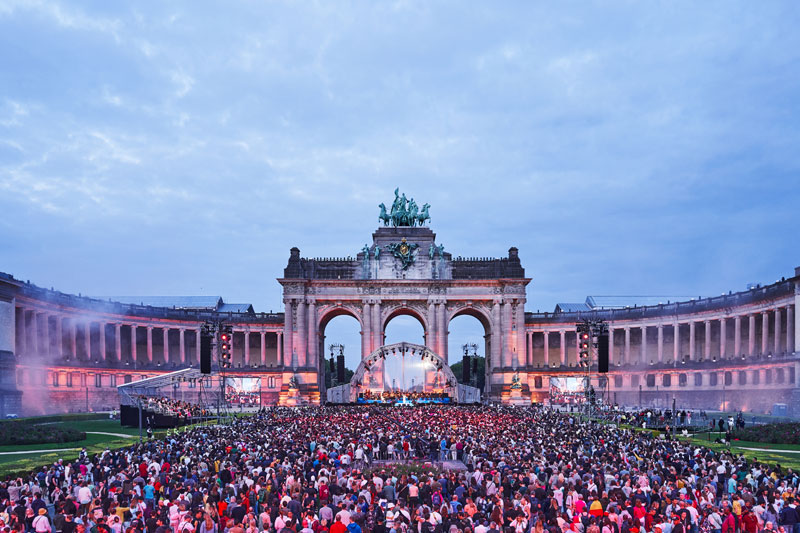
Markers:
point(182, 345)
point(563, 345)
point(441, 335)
point(577, 348)
point(288, 328)
point(778, 331)
point(59, 337)
point(101, 327)
point(529, 348)
point(118, 341)
point(197, 335)
point(508, 335)
point(707, 343)
point(643, 355)
point(676, 342)
point(366, 333)
point(626, 356)
point(150, 344)
point(376, 326)
point(36, 342)
point(764, 332)
point(723, 337)
point(660, 343)
point(46, 335)
point(313, 339)
point(302, 334)
point(133, 342)
point(610, 346)
point(547, 348)
point(790, 346)
point(263, 346)
point(737, 336)
point(430, 334)
point(246, 348)
point(165, 334)
point(497, 336)
point(87, 334)
point(692, 341)
point(751, 336)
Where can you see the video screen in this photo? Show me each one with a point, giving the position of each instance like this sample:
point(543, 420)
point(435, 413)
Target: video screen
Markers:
point(569, 390)
point(243, 391)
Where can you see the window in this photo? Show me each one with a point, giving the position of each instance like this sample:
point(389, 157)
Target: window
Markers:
point(98, 380)
point(537, 382)
point(768, 376)
point(667, 380)
point(713, 379)
point(617, 382)
point(682, 379)
point(756, 378)
point(113, 379)
point(128, 378)
point(634, 380)
point(698, 379)
point(651, 380)
point(55, 379)
point(69, 379)
point(779, 375)
point(728, 378)
point(271, 382)
point(742, 377)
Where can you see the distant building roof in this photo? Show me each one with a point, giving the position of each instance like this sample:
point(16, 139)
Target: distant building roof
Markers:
point(621, 302)
point(571, 308)
point(236, 308)
point(178, 302)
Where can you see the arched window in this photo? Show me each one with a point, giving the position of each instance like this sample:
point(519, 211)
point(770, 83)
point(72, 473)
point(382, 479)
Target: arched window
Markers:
point(728, 378)
point(713, 379)
point(666, 380)
point(651, 380)
point(742, 377)
point(682, 380)
point(698, 379)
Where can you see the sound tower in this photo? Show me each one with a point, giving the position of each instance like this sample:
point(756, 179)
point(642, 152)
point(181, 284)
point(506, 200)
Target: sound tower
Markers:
point(466, 367)
point(340, 368)
point(205, 353)
point(602, 354)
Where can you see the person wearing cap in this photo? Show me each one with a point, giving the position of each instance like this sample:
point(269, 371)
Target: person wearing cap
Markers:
point(41, 523)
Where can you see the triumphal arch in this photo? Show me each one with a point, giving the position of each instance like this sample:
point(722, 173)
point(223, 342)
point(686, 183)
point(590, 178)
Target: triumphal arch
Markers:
point(404, 271)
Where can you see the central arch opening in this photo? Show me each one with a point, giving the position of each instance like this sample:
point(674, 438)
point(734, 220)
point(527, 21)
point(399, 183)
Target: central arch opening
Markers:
point(406, 373)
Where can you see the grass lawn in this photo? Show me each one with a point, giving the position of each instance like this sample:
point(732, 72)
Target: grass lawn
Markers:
point(22, 464)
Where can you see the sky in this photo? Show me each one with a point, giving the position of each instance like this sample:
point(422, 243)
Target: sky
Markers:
point(182, 148)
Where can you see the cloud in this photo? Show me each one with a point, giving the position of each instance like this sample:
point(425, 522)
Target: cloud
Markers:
point(611, 145)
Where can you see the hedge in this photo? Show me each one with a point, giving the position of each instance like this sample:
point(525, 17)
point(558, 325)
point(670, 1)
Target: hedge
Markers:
point(23, 432)
point(780, 433)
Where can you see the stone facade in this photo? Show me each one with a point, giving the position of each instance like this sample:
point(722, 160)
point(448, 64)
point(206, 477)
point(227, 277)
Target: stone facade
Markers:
point(62, 352)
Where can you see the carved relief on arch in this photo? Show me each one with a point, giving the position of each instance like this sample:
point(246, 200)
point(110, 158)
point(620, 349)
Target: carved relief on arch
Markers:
point(482, 309)
point(327, 312)
point(415, 309)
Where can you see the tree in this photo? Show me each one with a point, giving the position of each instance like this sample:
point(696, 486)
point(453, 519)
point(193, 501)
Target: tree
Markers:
point(330, 372)
point(480, 382)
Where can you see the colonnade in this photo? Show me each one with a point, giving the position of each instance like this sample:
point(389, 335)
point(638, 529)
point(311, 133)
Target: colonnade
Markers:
point(760, 333)
point(47, 336)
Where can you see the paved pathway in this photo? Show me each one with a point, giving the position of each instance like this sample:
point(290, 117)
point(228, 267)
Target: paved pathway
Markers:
point(768, 450)
point(125, 435)
point(39, 451)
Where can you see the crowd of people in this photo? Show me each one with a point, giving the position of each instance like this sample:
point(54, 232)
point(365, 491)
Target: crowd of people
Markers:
point(171, 407)
point(330, 470)
point(389, 396)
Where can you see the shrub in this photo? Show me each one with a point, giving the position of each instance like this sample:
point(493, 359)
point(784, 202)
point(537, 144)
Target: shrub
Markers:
point(780, 433)
point(23, 432)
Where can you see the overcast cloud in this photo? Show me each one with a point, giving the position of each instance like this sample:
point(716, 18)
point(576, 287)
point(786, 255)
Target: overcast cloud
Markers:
point(182, 148)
